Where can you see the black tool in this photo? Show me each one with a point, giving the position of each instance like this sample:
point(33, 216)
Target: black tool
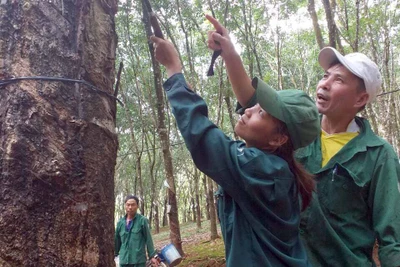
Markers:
point(153, 21)
point(215, 55)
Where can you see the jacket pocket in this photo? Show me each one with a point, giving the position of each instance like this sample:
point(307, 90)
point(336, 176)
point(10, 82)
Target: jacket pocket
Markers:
point(340, 193)
point(136, 233)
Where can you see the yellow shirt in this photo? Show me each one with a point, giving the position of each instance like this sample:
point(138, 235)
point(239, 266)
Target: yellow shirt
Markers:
point(332, 143)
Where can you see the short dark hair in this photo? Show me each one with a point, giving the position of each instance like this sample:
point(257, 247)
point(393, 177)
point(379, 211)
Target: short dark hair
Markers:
point(132, 197)
point(361, 85)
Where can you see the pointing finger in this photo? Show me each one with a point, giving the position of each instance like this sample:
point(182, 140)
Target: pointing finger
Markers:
point(215, 23)
point(155, 39)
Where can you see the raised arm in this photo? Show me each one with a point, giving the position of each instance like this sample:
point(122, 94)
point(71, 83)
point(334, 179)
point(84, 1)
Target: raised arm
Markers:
point(240, 81)
point(213, 152)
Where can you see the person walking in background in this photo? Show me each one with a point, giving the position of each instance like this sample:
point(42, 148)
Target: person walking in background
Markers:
point(260, 181)
point(357, 174)
point(132, 236)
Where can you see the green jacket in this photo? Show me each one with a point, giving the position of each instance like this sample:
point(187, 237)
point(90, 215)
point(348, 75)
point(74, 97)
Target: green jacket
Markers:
point(259, 207)
point(130, 245)
point(357, 200)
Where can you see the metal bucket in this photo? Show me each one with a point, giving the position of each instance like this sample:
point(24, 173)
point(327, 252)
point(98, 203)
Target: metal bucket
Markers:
point(171, 255)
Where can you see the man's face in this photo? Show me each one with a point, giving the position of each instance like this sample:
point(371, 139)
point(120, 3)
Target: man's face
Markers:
point(338, 93)
point(131, 207)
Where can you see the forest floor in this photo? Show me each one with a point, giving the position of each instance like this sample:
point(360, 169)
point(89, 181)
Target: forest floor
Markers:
point(199, 250)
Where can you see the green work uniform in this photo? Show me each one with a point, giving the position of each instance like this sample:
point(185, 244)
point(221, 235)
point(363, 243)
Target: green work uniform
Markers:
point(357, 200)
point(258, 202)
point(131, 244)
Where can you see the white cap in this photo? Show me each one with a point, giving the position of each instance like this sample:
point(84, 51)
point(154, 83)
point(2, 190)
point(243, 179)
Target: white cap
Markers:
point(358, 63)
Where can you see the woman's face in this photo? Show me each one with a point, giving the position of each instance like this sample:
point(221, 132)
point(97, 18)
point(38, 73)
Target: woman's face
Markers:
point(259, 129)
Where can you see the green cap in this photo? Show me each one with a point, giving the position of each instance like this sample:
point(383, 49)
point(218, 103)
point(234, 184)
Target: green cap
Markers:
point(294, 107)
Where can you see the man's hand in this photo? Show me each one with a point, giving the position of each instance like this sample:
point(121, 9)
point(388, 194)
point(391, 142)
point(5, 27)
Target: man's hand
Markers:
point(166, 54)
point(154, 262)
point(219, 39)
point(116, 259)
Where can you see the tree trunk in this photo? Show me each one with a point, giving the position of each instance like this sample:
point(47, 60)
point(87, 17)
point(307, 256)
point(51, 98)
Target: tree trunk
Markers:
point(357, 25)
point(208, 201)
point(58, 141)
point(317, 29)
point(165, 217)
point(331, 23)
point(175, 234)
point(151, 155)
point(193, 206)
point(278, 45)
point(197, 197)
point(156, 219)
point(213, 214)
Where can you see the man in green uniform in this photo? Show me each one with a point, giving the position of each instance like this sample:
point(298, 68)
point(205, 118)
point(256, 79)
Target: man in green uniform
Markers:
point(357, 199)
point(132, 235)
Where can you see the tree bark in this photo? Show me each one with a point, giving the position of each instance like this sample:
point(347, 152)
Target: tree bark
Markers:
point(165, 217)
point(278, 45)
point(151, 156)
point(208, 201)
point(213, 214)
point(357, 25)
point(58, 144)
point(197, 197)
point(317, 29)
point(331, 23)
point(193, 206)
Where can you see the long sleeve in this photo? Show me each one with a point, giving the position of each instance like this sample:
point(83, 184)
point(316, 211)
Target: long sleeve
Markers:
point(117, 240)
point(212, 151)
point(385, 200)
point(149, 241)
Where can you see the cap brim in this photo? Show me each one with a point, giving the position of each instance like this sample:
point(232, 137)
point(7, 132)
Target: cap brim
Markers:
point(328, 56)
point(268, 99)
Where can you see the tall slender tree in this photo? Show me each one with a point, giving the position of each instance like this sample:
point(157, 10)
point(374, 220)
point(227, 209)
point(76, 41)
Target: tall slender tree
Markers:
point(173, 216)
point(317, 28)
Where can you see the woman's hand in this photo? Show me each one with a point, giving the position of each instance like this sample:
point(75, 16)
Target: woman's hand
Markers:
point(166, 54)
point(219, 38)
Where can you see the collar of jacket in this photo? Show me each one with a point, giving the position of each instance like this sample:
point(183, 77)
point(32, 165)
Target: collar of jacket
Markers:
point(359, 144)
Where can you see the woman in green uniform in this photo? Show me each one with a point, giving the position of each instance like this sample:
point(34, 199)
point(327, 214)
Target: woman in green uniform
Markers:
point(260, 182)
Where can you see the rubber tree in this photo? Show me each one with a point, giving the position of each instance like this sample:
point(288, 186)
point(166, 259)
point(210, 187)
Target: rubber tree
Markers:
point(57, 137)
